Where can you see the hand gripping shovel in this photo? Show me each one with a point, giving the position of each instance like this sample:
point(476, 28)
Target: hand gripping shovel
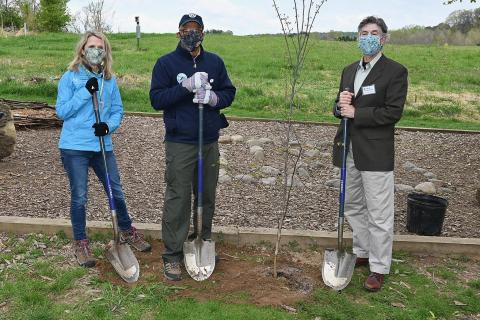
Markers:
point(338, 265)
point(199, 254)
point(119, 254)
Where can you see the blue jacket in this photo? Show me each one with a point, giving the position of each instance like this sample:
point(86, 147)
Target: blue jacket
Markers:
point(75, 107)
point(180, 114)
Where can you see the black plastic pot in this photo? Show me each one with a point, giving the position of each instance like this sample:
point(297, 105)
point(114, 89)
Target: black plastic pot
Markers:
point(425, 214)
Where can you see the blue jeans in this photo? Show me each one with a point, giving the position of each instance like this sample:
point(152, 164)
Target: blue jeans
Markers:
point(76, 164)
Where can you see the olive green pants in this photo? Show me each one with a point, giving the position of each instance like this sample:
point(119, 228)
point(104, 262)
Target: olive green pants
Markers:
point(181, 181)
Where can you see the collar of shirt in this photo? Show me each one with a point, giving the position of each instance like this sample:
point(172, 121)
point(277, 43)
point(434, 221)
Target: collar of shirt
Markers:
point(370, 64)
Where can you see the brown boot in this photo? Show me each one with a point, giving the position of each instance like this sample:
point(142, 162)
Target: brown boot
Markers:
point(374, 282)
point(81, 250)
point(135, 239)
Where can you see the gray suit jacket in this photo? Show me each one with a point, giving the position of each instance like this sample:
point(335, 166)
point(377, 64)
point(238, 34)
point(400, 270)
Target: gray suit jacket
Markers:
point(372, 129)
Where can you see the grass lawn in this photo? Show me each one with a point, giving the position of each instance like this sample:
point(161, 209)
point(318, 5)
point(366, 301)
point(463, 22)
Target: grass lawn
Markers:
point(39, 280)
point(444, 89)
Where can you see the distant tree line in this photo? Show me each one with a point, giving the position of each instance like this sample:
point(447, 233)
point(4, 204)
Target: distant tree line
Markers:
point(215, 31)
point(52, 16)
point(462, 27)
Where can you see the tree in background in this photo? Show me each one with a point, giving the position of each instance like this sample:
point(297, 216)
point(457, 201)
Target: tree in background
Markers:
point(91, 18)
point(53, 15)
point(9, 15)
point(28, 10)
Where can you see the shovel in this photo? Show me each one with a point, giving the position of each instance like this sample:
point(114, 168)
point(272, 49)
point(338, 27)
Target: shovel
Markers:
point(338, 264)
point(119, 254)
point(199, 254)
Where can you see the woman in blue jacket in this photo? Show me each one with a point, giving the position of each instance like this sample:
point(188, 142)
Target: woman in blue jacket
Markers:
point(91, 70)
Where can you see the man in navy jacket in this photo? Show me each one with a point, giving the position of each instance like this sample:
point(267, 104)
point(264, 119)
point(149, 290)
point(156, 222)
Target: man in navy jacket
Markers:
point(189, 73)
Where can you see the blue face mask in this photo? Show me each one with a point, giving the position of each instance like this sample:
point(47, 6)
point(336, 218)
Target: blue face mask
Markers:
point(190, 39)
point(369, 44)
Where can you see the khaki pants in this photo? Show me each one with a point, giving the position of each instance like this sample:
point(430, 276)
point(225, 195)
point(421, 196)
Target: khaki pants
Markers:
point(369, 208)
point(181, 180)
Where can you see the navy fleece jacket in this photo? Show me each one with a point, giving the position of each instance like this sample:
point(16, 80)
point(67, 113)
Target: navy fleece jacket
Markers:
point(180, 114)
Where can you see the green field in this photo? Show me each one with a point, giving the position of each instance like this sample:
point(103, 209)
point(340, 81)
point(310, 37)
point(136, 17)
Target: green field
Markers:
point(444, 82)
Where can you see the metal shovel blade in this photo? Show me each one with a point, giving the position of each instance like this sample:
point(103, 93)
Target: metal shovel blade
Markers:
point(123, 261)
point(338, 268)
point(199, 258)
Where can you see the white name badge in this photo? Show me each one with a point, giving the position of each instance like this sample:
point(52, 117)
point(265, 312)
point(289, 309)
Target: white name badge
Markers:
point(368, 90)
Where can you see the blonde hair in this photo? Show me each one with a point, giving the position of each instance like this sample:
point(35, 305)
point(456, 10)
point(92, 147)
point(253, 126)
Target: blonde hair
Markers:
point(79, 58)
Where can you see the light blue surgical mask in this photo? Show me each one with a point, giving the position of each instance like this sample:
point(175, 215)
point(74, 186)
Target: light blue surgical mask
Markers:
point(369, 44)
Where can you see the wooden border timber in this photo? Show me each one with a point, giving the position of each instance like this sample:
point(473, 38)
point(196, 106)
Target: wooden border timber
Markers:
point(305, 239)
point(315, 123)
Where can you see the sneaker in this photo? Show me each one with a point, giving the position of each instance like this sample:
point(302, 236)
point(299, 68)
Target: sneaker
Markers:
point(81, 251)
point(172, 271)
point(135, 239)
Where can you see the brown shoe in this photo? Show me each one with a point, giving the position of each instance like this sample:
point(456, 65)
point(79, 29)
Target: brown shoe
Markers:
point(360, 262)
point(374, 282)
point(135, 239)
point(81, 250)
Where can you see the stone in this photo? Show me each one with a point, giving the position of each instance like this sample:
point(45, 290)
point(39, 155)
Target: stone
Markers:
point(254, 149)
point(295, 182)
point(445, 190)
point(438, 183)
point(302, 172)
point(254, 142)
point(294, 143)
point(316, 165)
point(430, 175)
point(403, 188)
point(426, 187)
point(245, 178)
point(478, 196)
point(265, 140)
point(224, 179)
point(222, 172)
point(270, 170)
point(333, 183)
point(409, 166)
point(225, 139)
point(8, 135)
point(269, 181)
point(259, 155)
point(236, 138)
point(294, 152)
point(312, 153)
point(325, 154)
point(419, 170)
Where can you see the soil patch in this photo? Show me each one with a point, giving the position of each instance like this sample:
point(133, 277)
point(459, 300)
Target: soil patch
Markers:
point(243, 275)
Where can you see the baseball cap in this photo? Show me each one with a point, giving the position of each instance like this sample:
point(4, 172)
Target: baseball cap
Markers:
point(191, 17)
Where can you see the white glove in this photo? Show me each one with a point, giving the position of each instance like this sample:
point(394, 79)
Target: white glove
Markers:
point(196, 81)
point(206, 96)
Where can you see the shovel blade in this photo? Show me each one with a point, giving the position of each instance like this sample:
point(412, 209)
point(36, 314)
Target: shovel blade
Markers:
point(123, 261)
point(338, 268)
point(199, 258)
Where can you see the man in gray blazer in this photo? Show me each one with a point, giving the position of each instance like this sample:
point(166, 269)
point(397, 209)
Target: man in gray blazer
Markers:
point(372, 95)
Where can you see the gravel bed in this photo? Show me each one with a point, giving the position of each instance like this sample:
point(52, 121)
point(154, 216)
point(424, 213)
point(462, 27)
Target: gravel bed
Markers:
point(33, 182)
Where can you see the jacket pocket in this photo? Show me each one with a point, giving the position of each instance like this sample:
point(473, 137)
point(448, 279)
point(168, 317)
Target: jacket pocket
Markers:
point(170, 125)
point(223, 121)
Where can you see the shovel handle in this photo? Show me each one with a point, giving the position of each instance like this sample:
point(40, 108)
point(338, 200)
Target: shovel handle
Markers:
point(343, 180)
point(108, 187)
point(200, 171)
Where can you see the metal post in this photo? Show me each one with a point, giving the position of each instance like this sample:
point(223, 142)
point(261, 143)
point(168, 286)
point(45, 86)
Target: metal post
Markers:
point(137, 20)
